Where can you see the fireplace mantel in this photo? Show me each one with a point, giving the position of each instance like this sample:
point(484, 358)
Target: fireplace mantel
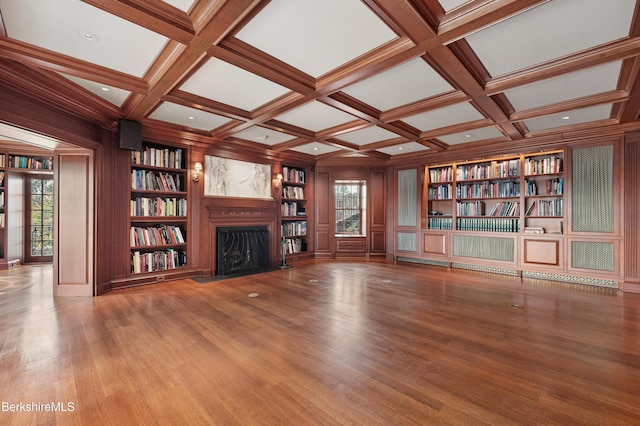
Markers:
point(242, 214)
point(225, 216)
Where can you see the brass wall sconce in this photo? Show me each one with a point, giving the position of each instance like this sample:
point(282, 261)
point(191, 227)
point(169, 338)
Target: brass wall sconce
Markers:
point(197, 168)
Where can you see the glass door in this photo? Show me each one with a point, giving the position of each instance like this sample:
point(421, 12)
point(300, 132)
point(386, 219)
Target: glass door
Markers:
point(39, 217)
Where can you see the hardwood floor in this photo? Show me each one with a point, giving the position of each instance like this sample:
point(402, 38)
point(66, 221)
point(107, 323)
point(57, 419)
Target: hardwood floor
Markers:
point(326, 342)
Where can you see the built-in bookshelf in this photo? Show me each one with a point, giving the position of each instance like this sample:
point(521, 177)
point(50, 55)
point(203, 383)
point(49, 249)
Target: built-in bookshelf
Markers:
point(293, 210)
point(515, 194)
point(544, 193)
point(440, 194)
point(30, 162)
point(158, 209)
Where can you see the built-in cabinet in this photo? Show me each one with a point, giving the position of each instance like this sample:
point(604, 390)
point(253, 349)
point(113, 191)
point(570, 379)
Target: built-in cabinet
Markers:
point(519, 214)
point(158, 210)
point(293, 211)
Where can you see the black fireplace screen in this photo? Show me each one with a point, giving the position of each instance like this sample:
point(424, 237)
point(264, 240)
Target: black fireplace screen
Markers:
point(242, 249)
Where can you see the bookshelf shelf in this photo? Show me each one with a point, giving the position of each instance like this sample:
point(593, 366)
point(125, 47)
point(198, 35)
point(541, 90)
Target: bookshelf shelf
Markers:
point(158, 215)
point(293, 211)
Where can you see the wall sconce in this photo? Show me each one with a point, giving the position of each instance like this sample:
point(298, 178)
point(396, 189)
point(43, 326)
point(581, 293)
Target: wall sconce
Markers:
point(278, 180)
point(196, 171)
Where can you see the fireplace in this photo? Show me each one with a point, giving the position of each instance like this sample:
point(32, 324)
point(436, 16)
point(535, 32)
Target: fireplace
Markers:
point(242, 249)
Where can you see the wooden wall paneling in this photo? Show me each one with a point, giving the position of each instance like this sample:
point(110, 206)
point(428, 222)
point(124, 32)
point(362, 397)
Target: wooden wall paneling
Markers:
point(407, 198)
point(391, 185)
point(435, 243)
point(631, 208)
point(112, 181)
point(15, 217)
point(539, 251)
point(323, 206)
point(377, 226)
point(198, 251)
point(74, 238)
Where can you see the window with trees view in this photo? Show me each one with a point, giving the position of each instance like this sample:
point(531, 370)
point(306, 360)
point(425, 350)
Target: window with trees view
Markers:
point(350, 207)
point(40, 226)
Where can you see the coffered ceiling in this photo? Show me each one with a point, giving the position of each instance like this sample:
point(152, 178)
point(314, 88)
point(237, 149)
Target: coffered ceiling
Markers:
point(381, 78)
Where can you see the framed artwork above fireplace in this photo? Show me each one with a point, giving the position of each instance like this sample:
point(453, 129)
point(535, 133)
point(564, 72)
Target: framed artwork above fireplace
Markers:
point(224, 177)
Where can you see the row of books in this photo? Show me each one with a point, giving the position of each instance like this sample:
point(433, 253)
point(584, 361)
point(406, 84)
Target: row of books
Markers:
point(443, 174)
point(470, 208)
point(552, 187)
point(1, 220)
point(1, 199)
point(440, 192)
point(292, 209)
point(142, 206)
point(538, 166)
point(3, 160)
point(157, 260)
point(507, 208)
point(488, 224)
point(292, 175)
point(494, 169)
point(1, 178)
point(441, 222)
point(159, 157)
point(551, 207)
point(156, 235)
point(294, 192)
point(146, 180)
point(32, 163)
point(293, 245)
point(294, 229)
point(488, 189)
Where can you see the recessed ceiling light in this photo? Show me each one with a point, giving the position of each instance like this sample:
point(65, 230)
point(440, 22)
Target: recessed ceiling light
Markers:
point(566, 117)
point(85, 35)
point(467, 136)
point(400, 148)
point(315, 148)
point(104, 89)
point(191, 117)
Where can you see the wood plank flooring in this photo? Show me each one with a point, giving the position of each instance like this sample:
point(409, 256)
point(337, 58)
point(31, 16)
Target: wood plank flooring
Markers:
point(323, 343)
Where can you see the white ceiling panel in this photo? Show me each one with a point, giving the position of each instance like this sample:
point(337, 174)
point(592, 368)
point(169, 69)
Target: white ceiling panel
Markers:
point(589, 81)
point(474, 135)
point(183, 5)
point(405, 148)
point(550, 31)
point(65, 26)
point(315, 148)
point(231, 85)
point(568, 118)
point(189, 117)
point(367, 135)
point(297, 32)
point(315, 116)
point(263, 135)
point(111, 94)
point(443, 117)
point(449, 5)
point(401, 85)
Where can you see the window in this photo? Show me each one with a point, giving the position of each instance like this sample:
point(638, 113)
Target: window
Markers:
point(40, 218)
point(351, 198)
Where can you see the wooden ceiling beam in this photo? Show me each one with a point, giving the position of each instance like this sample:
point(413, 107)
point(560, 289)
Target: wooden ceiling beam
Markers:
point(52, 89)
point(610, 97)
point(48, 60)
point(154, 15)
point(609, 52)
point(184, 62)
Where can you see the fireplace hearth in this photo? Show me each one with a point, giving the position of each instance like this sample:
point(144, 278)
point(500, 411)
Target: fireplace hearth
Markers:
point(242, 250)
